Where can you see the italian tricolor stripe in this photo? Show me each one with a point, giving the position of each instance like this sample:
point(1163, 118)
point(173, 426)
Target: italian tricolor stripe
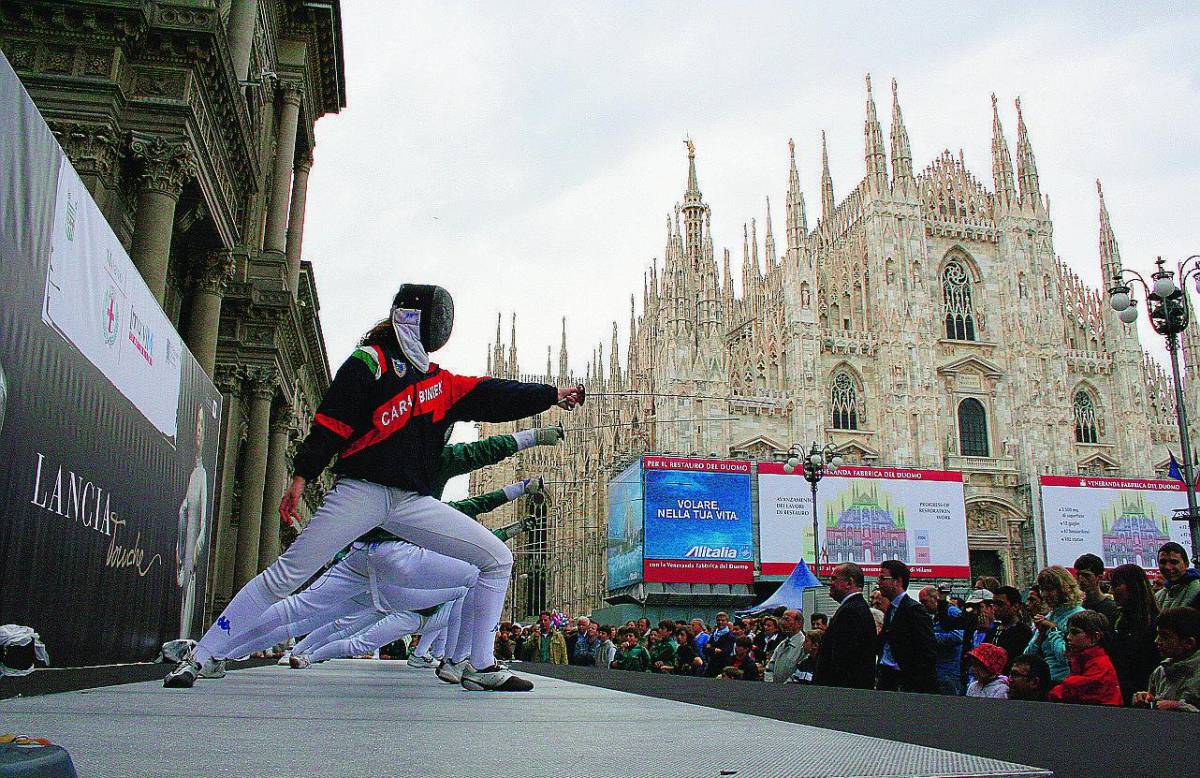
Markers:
point(372, 357)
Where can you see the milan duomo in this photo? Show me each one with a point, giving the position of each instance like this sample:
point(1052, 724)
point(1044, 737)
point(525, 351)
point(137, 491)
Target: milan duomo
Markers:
point(923, 321)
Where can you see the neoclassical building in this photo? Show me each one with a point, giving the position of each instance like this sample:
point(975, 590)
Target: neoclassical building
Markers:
point(191, 123)
point(925, 320)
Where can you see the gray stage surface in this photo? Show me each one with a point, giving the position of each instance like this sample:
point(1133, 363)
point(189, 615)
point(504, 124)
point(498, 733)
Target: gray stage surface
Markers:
point(365, 718)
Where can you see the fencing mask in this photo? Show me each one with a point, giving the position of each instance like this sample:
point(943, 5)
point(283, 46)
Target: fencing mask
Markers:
point(423, 317)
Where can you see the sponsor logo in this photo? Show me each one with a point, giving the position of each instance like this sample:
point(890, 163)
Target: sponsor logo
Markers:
point(110, 315)
point(711, 552)
point(142, 337)
point(172, 353)
point(72, 217)
point(224, 624)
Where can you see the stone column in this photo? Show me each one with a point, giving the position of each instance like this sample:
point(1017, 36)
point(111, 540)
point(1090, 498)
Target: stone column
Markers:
point(210, 278)
point(276, 483)
point(275, 239)
point(229, 380)
point(243, 18)
point(167, 166)
point(295, 228)
point(260, 385)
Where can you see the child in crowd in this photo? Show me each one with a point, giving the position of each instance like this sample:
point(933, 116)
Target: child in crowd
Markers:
point(743, 659)
point(812, 647)
point(606, 654)
point(631, 655)
point(1093, 679)
point(1175, 684)
point(987, 662)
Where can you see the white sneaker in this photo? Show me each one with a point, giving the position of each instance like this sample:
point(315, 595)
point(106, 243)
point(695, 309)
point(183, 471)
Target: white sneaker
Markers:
point(299, 661)
point(452, 672)
point(184, 675)
point(422, 661)
point(213, 668)
point(285, 660)
point(494, 679)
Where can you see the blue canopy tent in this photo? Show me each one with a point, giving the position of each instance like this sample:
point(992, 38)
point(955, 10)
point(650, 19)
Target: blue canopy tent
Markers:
point(790, 594)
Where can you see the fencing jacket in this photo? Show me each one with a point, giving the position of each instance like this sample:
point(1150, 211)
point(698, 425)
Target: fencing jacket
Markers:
point(387, 421)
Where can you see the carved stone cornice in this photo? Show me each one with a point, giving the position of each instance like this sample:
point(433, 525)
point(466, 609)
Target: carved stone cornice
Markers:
point(167, 164)
point(94, 149)
point(228, 379)
point(261, 382)
point(213, 272)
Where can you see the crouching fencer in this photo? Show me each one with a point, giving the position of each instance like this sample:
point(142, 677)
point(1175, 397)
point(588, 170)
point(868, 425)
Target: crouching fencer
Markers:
point(385, 416)
point(380, 575)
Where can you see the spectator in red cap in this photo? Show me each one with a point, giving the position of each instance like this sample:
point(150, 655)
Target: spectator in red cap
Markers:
point(988, 661)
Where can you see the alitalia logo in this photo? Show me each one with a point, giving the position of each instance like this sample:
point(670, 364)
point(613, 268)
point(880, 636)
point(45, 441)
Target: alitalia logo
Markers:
point(710, 552)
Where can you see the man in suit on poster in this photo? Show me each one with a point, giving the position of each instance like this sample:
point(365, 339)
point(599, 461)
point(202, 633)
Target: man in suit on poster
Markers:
point(847, 656)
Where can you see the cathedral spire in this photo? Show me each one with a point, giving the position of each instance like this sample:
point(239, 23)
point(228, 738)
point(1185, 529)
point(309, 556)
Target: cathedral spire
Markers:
point(497, 362)
point(512, 348)
point(874, 154)
point(826, 182)
point(728, 279)
point(693, 185)
point(772, 259)
point(1110, 253)
point(754, 249)
point(614, 363)
point(1002, 171)
point(693, 212)
point(797, 220)
point(902, 170)
point(1026, 165)
point(549, 372)
point(562, 355)
point(747, 268)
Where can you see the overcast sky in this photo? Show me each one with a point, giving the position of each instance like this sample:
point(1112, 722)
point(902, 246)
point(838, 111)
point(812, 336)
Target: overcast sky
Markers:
point(525, 155)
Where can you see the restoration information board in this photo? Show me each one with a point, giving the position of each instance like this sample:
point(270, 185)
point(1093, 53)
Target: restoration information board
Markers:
point(1120, 520)
point(865, 515)
point(698, 524)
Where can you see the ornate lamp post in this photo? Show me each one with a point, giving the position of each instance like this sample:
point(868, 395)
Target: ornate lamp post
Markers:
point(1169, 313)
point(816, 463)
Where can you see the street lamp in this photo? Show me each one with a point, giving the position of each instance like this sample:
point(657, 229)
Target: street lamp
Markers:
point(1169, 311)
point(816, 463)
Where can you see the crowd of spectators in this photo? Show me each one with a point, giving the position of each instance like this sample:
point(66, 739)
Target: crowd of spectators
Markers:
point(1080, 635)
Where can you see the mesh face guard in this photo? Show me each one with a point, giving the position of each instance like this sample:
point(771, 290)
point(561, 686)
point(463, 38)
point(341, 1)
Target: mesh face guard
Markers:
point(437, 312)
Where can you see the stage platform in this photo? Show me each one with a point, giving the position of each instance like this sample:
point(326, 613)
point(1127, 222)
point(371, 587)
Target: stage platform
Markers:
point(368, 718)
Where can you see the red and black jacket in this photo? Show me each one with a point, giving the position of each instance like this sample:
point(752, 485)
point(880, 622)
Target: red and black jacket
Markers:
point(387, 421)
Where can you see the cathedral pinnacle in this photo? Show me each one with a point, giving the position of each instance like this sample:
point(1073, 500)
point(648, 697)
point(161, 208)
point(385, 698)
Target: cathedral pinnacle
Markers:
point(876, 158)
point(693, 184)
point(902, 170)
point(1110, 253)
point(562, 355)
point(1027, 173)
point(797, 219)
point(1002, 172)
point(772, 257)
point(826, 182)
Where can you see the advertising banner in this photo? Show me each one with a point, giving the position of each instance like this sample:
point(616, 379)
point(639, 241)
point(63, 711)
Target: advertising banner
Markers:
point(865, 515)
point(698, 521)
point(1120, 520)
point(625, 532)
point(108, 427)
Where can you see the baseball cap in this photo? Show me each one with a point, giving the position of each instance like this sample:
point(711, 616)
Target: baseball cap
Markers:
point(981, 595)
point(945, 588)
point(991, 656)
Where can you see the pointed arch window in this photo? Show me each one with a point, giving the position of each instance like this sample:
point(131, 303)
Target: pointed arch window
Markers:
point(972, 429)
point(956, 295)
point(845, 402)
point(1086, 427)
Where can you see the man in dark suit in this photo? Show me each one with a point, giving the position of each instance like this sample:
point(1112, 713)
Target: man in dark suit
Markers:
point(847, 656)
point(908, 650)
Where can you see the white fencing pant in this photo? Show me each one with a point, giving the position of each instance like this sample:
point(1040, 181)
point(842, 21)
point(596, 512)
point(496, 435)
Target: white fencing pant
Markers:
point(351, 509)
point(384, 577)
point(391, 627)
point(342, 628)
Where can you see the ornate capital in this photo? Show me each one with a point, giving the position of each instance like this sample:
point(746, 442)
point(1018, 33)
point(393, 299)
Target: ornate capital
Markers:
point(228, 379)
point(283, 419)
point(291, 91)
point(94, 149)
point(167, 164)
point(304, 162)
point(213, 272)
point(261, 382)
